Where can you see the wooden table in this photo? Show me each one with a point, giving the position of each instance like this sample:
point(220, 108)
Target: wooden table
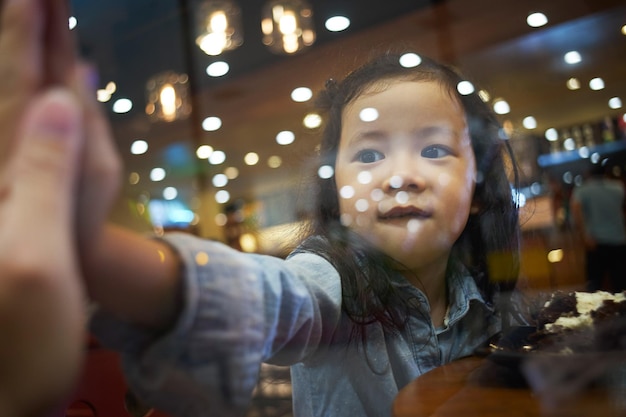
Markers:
point(476, 386)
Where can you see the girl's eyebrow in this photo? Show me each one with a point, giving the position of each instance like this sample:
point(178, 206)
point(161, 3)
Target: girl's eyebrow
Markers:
point(376, 135)
point(434, 130)
point(366, 135)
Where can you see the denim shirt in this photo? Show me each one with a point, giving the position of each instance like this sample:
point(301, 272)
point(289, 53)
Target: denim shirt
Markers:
point(244, 309)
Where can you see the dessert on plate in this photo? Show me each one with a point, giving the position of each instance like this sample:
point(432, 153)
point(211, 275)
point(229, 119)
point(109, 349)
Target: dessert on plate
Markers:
point(579, 322)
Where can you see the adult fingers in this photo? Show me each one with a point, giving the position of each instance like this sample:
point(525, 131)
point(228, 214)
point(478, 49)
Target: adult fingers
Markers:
point(21, 30)
point(37, 50)
point(44, 168)
point(59, 43)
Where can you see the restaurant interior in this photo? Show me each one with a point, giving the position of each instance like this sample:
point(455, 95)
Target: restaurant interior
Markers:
point(218, 130)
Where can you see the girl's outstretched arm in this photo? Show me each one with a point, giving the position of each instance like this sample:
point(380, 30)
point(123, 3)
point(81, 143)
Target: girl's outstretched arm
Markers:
point(135, 278)
point(129, 275)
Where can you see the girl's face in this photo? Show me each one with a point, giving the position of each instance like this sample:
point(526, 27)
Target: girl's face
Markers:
point(406, 171)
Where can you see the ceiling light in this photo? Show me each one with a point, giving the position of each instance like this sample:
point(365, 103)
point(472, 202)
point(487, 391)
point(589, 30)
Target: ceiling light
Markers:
point(122, 105)
point(287, 26)
point(222, 196)
point(368, 114)
point(274, 161)
point(624, 30)
point(337, 23)
point(569, 144)
point(157, 174)
point(231, 173)
point(615, 103)
point(500, 106)
point(573, 84)
point(572, 57)
point(170, 193)
point(465, 88)
point(301, 94)
point(219, 180)
point(221, 219)
point(103, 95)
point(286, 137)
point(139, 147)
point(552, 135)
point(583, 152)
point(536, 20)
point(72, 22)
point(529, 122)
point(168, 97)
point(595, 157)
point(133, 178)
point(211, 123)
point(312, 120)
point(217, 157)
point(410, 60)
point(218, 26)
point(251, 158)
point(596, 84)
point(217, 69)
point(484, 95)
point(325, 172)
point(204, 151)
point(364, 177)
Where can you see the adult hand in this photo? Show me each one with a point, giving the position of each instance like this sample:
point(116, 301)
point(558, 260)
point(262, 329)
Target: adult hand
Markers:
point(42, 302)
point(37, 51)
point(36, 37)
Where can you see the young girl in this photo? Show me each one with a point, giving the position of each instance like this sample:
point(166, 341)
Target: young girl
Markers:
point(393, 281)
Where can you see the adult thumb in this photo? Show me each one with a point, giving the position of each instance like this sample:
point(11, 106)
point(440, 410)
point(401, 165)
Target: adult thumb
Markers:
point(45, 164)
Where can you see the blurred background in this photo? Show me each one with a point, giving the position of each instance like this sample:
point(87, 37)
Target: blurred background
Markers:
point(212, 105)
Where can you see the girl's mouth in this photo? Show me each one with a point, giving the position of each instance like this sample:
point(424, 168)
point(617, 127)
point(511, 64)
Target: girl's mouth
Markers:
point(409, 212)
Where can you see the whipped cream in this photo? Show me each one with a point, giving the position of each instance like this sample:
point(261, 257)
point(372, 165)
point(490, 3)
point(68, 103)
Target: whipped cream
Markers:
point(586, 303)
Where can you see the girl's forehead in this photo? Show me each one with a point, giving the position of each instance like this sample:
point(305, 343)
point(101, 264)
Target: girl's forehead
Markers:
point(407, 88)
point(407, 94)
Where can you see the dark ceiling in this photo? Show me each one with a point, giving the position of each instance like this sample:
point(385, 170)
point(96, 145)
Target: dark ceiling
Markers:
point(131, 40)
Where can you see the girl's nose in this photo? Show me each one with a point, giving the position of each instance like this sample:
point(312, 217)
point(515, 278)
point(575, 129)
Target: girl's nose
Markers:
point(405, 180)
point(404, 172)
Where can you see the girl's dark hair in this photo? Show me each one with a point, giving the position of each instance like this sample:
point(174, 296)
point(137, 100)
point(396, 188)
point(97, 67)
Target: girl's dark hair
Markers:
point(488, 246)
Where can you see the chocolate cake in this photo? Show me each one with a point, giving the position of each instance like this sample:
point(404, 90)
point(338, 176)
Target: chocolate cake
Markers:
point(575, 322)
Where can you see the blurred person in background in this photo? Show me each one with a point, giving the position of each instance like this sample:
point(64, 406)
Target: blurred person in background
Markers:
point(598, 208)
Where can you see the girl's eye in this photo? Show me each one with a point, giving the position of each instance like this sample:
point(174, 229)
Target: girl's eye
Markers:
point(436, 151)
point(368, 156)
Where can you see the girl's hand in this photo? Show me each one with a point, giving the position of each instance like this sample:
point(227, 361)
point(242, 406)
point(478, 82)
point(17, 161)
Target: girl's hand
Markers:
point(101, 171)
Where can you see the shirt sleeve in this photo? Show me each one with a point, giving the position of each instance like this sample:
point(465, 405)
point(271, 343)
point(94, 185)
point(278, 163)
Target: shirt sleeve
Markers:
point(239, 310)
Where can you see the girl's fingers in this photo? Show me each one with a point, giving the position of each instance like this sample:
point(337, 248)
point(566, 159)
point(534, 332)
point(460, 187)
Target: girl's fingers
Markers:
point(101, 164)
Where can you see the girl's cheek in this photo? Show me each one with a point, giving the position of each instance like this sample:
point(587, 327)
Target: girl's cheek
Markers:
point(458, 223)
